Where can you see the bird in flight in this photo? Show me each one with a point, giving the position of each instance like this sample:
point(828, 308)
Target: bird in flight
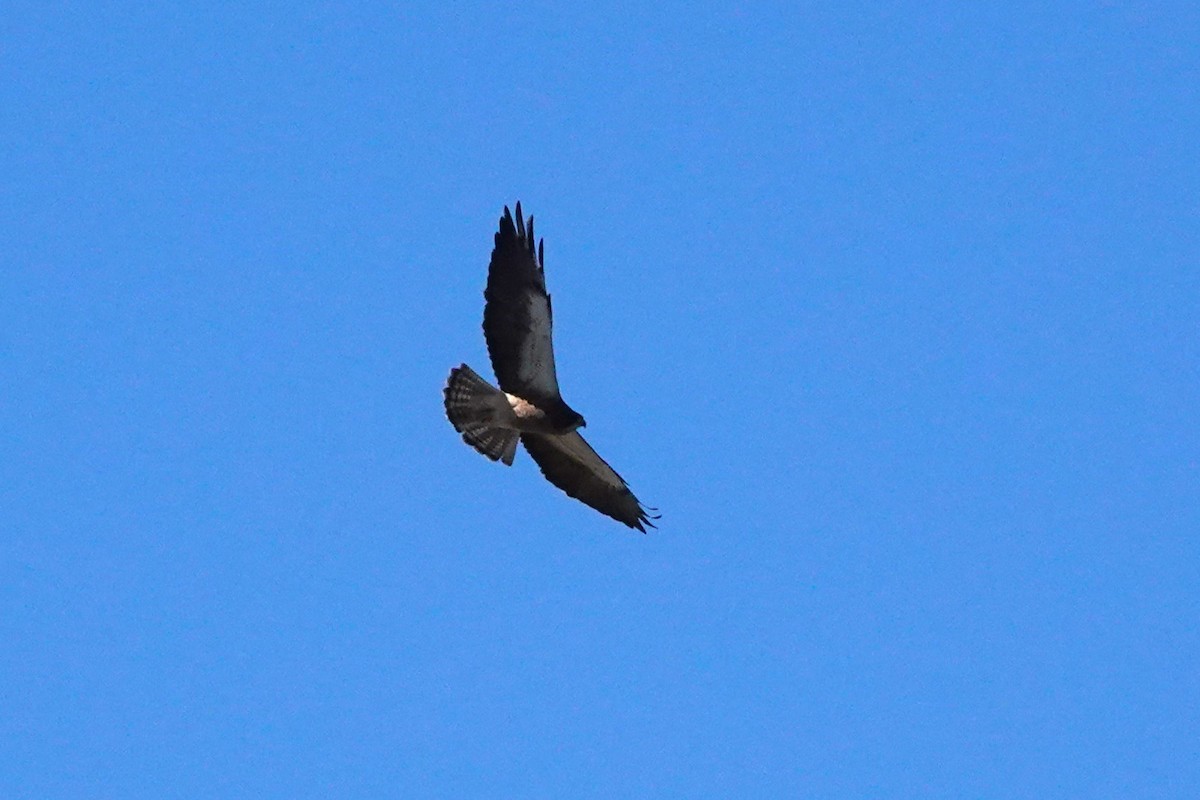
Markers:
point(528, 406)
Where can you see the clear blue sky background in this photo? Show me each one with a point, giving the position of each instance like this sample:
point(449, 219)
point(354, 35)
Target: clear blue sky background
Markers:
point(890, 307)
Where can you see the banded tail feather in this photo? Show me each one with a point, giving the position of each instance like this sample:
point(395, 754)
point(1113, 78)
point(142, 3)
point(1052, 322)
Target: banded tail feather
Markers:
point(472, 405)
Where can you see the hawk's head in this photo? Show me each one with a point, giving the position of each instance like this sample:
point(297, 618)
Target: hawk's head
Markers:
point(566, 419)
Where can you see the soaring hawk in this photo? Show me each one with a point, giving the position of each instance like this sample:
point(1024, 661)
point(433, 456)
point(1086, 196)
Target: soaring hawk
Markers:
point(528, 405)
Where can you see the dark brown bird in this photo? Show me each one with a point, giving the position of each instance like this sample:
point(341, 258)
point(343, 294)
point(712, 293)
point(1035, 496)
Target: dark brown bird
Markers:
point(517, 324)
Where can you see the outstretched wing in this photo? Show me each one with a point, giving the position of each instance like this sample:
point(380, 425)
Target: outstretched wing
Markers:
point(516, 317)
point(573, 466)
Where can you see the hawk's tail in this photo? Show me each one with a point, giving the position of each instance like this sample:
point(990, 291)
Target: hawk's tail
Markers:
point(472, 404)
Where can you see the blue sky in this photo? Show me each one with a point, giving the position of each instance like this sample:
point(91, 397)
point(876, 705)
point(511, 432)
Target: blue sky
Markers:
point(891, 309)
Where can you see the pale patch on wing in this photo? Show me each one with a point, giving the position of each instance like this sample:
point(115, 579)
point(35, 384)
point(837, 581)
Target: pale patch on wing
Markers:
point(535, 366)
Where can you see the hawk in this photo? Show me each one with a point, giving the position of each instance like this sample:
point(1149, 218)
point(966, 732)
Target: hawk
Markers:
point(528, 406)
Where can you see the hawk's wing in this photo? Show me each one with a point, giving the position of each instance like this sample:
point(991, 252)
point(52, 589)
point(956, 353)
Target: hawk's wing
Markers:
point(516, 318)
point(573, 466)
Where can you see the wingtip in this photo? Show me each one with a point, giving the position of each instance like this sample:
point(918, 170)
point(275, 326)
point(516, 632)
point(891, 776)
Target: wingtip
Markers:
point(644, 519)
point(513, 225)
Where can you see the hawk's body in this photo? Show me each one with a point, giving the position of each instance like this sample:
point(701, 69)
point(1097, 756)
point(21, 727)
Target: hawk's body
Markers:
point(517, 323)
